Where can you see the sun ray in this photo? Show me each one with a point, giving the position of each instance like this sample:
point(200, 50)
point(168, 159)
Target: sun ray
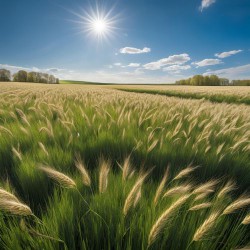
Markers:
point(97, 22)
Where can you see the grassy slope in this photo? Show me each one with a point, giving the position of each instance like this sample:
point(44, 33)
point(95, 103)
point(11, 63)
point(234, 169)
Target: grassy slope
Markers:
point(93, 122)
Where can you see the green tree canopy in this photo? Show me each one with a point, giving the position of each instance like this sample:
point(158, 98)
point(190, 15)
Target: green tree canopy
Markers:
point(5, 75)
point(21, 76)
point(200, 80)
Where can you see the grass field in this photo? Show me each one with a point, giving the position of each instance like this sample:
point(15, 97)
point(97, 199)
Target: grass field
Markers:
point(93, 167)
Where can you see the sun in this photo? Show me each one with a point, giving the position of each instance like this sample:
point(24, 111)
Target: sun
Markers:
point(98, 22)
point(100, 26)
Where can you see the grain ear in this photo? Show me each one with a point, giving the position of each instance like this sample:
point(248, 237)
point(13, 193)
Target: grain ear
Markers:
point(240, 203)
point(83, 171)
point(59, 177)
point(185, 172)
point(103, 174)
point(14, 207)
point(206, 226)
point(160, 188)
point(158, 226)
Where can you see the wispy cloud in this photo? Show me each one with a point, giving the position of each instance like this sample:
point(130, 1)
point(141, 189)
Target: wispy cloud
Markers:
point(131, 50)
point(14, 69)
point(117, 64)
point(239, 72)
point(177, 68)
point(54, 71)
point(206, 3)
point(207, 62)
point(175, 59)
point(228, 53)
point(153, 66)
point(134, 65)
point(131, 65)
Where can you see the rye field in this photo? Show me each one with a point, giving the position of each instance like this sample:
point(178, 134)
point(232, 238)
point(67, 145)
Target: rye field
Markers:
point(124, 167)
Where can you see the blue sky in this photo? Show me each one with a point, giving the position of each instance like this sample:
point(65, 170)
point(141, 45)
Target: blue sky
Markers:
point(145, 41)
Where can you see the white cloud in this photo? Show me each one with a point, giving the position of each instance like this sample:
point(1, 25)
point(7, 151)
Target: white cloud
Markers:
point(177, 68)
point(131, 65)
point(131, 50)
point(239, 72)
point(139, 71)
point(134, 65)
point(228, 53)
point(207, 62)
point(153, 66)
point(14, 69)
point(175, 59)
point(206, 3)
point(53, 70)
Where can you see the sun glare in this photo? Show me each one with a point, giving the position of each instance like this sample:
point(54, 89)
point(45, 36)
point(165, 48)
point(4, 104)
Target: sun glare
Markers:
point(99, 26)
point(98, 22)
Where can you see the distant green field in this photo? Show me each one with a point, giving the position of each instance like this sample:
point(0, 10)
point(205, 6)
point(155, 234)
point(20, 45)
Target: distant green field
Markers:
point(92, 167)
point(112, 84)
point(81, 82)
point(213, 97)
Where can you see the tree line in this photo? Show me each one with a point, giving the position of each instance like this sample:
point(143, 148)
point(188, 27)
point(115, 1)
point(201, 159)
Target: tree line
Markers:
point(241, 82)
point(200, 80)
point(24, 76)
point(212, 80)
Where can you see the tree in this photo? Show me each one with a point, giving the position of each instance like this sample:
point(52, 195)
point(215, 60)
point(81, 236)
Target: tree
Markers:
point(21, 76)
point(5, 75)
point(207, 81)
point(241, 82)
point(52, 79)
point(32, 77)
point(224, 82)
point(44, 78)
point(215, 80)
point(197, 80)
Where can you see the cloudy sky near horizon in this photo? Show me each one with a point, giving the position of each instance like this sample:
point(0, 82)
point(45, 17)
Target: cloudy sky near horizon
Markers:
point(134, 41)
